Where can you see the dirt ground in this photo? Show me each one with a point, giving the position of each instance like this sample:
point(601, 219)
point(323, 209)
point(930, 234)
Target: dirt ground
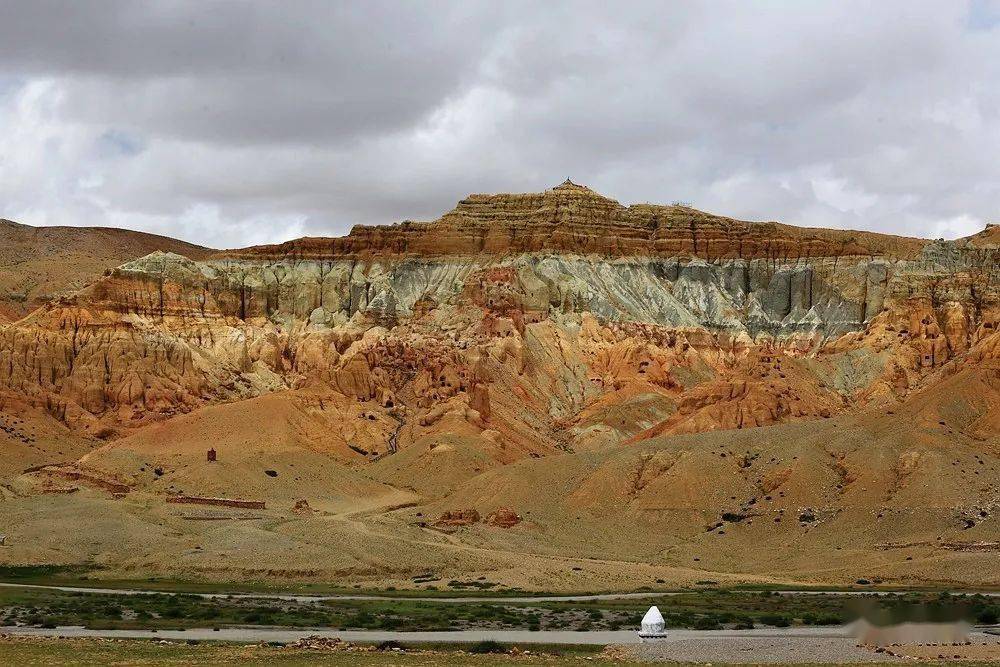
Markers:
point(36, 651)
point(134, 653)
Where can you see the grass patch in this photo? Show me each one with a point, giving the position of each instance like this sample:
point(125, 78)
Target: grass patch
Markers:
point(42, 574)
point(704, 609)
point(488, 646)
point(700, 610)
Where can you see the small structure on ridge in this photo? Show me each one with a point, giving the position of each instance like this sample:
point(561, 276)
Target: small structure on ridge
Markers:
point(211, 455)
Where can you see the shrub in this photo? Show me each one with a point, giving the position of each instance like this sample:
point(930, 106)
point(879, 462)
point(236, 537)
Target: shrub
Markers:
point(364, 619)
point(487, 646)
point(706, 623)
point(777, 620)
point(988, 616)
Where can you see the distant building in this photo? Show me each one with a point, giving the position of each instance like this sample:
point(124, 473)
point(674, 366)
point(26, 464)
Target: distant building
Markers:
point(211, 454)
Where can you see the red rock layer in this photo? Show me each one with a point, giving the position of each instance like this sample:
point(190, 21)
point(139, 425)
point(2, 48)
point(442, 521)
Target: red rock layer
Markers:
point(574, 219)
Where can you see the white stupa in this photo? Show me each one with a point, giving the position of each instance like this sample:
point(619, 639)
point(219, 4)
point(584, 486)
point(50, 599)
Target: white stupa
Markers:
point(653, 625)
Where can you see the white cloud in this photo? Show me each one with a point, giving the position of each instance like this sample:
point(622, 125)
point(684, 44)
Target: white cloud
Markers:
point(242, 123)
point(958, 226)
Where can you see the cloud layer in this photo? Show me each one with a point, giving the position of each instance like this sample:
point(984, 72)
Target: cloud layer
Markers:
point(237, 123)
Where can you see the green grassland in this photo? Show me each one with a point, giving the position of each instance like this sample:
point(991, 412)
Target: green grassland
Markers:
point(709, 609)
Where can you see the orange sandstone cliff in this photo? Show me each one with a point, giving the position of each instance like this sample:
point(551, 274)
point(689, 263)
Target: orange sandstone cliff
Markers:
point(550, 350)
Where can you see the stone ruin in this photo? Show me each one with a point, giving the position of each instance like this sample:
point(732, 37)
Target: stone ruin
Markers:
point(504, 517)
point(465, 517)
point(218, 502)
point(302, 507)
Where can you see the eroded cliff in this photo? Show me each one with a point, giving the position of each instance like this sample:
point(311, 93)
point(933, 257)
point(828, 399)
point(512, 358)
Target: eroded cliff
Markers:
point(587, 372)
point(530, 315)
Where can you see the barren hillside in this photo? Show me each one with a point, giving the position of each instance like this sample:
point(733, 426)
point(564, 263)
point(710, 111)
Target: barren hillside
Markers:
point(38, 264)
point(545, 390)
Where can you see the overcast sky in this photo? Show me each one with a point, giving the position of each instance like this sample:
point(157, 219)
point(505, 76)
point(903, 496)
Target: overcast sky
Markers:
point(235, 123)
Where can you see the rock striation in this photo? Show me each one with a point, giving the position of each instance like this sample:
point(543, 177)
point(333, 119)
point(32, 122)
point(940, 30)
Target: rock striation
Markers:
point(528, 379)
point(38, 264)
point(571, 218)
point(529, 323)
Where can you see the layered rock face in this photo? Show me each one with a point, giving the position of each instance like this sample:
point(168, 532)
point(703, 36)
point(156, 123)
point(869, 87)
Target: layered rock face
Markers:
point(38, 264)
point(572, 218)
point(531, 322)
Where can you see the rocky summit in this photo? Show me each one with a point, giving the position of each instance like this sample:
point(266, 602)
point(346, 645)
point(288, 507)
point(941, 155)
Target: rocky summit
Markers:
point(625, 393)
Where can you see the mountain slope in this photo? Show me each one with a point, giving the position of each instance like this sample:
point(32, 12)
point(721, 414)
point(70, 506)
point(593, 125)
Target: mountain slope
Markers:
point(41, 263)
point(621, 377)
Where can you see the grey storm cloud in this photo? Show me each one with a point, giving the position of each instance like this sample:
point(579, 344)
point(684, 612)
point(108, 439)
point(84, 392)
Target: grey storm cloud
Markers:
point(230, 123)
